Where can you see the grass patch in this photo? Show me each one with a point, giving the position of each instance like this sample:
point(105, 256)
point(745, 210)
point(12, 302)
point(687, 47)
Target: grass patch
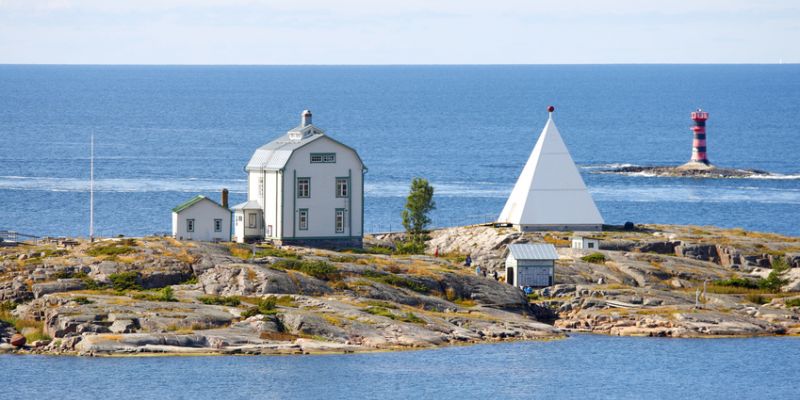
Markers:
point(165, 294)
point(737, 282)
point(83, 300)
point(594, 258)
point(231, 301)
point(400, 281)
point(317, 269)
point(378, 303)
point(112, 249)
point(385, 312)
point(756, 298)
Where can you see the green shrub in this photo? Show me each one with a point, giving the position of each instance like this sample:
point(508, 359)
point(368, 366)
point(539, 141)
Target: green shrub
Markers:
point(8, 305)
point(318, 269)
point(191, 281)
point(773, 282)
point(793, 302)
point(385, 312)
point(125, 281)
point(594, 258)
point(410, 247)
point(82, 300)
point(231, 301)
point(111, 249)
point(270, 251)
point(738, 282)
point(265, 306)
point(370, 250)
point(167, 294)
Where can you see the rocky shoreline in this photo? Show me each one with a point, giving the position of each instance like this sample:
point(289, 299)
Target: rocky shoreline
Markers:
point(678, 172)
point(150, 296)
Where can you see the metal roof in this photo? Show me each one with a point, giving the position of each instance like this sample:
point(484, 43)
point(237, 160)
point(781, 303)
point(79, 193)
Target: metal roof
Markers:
point(194, 200)
point(530, 251)
point(275, 154)
point(248, 205)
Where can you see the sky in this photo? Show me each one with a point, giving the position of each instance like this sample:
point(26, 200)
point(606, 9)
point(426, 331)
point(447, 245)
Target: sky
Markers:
point(398, 32)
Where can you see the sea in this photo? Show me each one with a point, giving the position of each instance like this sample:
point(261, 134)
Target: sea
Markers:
point(166, 133)
point(580, 367)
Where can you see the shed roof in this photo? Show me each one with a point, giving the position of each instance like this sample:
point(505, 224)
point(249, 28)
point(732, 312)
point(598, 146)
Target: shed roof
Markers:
point(531, 251)
point(194, 200)
point(248, 205)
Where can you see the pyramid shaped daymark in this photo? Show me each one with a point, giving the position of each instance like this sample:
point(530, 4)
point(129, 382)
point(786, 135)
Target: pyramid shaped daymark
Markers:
point(550, 193)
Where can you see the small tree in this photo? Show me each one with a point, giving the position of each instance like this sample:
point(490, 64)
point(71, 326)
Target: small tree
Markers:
point(418, 204)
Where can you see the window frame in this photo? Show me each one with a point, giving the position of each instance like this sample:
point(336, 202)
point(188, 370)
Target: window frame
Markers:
point(339, 212)
point(297, 187)
point(302, 219)
point(252, 220)
point(324, 158)
point(190, 225)
point(346, 181)
point(217, 224)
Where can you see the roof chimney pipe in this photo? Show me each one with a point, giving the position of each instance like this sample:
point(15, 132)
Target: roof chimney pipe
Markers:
point(305, 119)
point(225, 198)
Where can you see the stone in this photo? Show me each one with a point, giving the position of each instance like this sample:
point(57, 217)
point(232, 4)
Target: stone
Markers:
point(61, 285)
point(123, 326)
point(17, 340)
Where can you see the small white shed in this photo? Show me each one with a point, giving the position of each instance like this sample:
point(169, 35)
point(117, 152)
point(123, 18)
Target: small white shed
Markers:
point(585, 243)
point(202, 219)
point(531, 264)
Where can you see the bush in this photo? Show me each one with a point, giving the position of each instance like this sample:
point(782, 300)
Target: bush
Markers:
point(385, 312)
point(595, 258)
point(165, 294)
point(231, 301)
point(82, 300)
point(410, 247)
point(757, 298)
point(317, 269)
point(265, 306)
point(793, 302)
point(773, 281)
point(737, 282)
point(125, 281)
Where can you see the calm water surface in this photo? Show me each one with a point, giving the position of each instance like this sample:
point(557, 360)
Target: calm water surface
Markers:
point(583, 366)
point(166, 133)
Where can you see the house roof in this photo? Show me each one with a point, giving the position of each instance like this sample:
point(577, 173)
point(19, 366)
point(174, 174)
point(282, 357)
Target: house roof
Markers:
point(194, 200)
point(248, 205)
point(531, 251)
point(550, 190)
point(274, 155)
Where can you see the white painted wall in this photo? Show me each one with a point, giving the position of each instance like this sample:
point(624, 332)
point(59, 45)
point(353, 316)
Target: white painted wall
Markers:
point(323, 202)
point(203, 212)
point(585, 243)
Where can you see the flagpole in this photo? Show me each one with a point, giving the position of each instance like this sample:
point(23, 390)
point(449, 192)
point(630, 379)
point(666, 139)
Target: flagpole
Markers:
point(91, 192)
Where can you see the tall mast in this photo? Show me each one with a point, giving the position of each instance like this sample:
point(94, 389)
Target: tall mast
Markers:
point(91, 191)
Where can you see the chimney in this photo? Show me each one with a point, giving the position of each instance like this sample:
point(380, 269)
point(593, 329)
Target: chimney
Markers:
point(305, 119)
point(225, 198)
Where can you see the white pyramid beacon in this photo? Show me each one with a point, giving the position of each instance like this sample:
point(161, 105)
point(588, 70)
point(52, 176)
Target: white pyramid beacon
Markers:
point(550, 193)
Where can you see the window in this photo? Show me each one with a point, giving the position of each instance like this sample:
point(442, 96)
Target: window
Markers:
point(323, 158)
point(304, 187)
point(591, 245)
point(251, 220)
point(217, 225)
point(339, 220)
point(190, 225)
point(269, 230)
point(302, 220)
point(261, 186)
point(342, 187)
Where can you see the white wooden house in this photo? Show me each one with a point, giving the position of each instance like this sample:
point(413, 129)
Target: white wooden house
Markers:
point(531, 265)
point(585, 243)
point(303, 188)
point(201, 218)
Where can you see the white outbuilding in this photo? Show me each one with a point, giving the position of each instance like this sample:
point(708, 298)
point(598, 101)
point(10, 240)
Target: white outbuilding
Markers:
point(550, 193)
point(531, 265)
point(202, 219)
point(585, 243)
point(303, 188)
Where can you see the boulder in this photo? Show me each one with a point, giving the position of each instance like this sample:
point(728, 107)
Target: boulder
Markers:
point(61, 285)
point(18, 340)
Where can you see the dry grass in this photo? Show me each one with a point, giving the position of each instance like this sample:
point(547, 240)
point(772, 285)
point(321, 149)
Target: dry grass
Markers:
point(556, 241)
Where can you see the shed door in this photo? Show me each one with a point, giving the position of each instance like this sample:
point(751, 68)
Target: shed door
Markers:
point(510, 275)
point(541, 276)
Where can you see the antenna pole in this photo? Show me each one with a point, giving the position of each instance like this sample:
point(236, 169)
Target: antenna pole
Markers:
point(91, 191)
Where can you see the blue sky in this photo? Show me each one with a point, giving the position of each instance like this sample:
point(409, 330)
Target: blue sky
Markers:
point(398, 32)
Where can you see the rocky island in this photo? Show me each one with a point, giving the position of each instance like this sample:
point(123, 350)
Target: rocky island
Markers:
point(682, 172)
point(157, 295)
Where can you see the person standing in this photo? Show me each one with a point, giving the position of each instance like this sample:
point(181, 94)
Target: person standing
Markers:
point(478, 270)
point(468, 261)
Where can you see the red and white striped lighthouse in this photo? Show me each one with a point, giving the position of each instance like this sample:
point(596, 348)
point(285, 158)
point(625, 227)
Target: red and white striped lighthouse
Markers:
point(699, 145)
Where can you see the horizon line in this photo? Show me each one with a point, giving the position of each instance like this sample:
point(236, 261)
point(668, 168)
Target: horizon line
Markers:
point(390, 64)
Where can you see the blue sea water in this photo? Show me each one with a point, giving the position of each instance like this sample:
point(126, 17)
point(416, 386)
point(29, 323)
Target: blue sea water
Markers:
point(165, 133)
point(581, 367)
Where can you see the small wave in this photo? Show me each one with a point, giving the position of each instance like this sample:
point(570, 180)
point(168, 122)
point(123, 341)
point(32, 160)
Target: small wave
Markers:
point(774, 176)
point(466, 190)
point(607, 166)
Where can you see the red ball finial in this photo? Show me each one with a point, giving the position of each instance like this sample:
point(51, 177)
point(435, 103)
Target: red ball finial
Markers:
point(551, 109)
